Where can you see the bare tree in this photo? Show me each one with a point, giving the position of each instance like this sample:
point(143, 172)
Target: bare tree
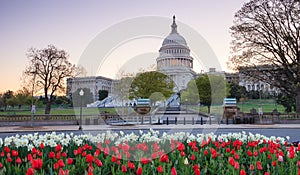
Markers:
point(265, 43)
point(49, 67)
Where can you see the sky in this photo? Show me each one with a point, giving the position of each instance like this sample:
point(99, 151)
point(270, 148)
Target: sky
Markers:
point(73, 25)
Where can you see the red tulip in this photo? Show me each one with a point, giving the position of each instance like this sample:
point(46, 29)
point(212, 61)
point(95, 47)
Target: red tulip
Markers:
point(197, 171)
point(274, 163)
point(69, 161)
point(6, 149)
point(298, 163)
point(182, 153)
point(236, 165)
point(51, 155)
point(258, 165)
point(18, 160)
point(60, 163)
point(251, 167)
point(107, 141)
point(64, 154)
point(89, 158)
point(30, 171)
point(83, 154)
point(37, 164)
point(130, 165)
point(113, 159)
point(193, 157)
point(56, 166)
point(29, 157)
point(236, 156)
point(173, 171)
point(249, 153)
point(164, 158)
point(1, 166)
point(97, 152)
point(42, 146)
point(205, 152)
point(106, 151)
point(33, 150)
point(242, 172)
point(9, 159)
point(57, 155)
point(160, 169)
point(139, 171)
point(14, 153)
point(2, 154)
point(180, 147)
point(125, 148)
point(124, 168)
point(62, 172)
point(79, 150)
point(231, 161)
point(267, 173)
point(144, 161)
point(58, 148)
point(98, 163)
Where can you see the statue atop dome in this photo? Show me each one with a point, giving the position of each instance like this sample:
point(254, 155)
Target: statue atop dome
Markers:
point(174, 26)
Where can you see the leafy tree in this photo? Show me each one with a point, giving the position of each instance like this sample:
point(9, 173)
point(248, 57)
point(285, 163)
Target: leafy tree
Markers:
point(191, 93)
point(237, 91)
point(102, 94)
point(23, 97)
point(49, 67)
point(147, 83)
point(86, 98)
point(286, 101)
point(1, 101)
point(253, 94)
point(212, 89)
point(12, 102)
point(265, 45)
point(59, 100)
point(6, 96)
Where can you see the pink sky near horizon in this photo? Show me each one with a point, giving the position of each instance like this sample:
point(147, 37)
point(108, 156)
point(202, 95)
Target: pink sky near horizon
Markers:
point(71, 25)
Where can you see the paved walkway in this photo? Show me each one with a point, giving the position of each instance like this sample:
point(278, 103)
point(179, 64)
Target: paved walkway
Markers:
point(123, 127)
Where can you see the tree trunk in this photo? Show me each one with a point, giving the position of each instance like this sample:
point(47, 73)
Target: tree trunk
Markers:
point(208, 108)
point(48, 107)
point(298, 101)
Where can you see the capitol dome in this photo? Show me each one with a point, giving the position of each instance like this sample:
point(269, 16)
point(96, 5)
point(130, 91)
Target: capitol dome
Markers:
point(174, 38)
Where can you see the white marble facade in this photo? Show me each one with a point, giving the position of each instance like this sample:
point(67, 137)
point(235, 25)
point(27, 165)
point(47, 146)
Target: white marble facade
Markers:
point(94, 83)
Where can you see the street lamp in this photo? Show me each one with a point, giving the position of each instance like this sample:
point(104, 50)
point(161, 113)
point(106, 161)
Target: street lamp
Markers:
point(81, 93)
point(186, 105)
point(33, 106)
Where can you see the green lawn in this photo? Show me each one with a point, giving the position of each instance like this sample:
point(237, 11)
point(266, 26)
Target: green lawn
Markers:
point(268, 105)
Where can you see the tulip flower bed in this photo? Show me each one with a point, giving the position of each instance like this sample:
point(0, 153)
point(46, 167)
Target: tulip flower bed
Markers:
point(148, 153)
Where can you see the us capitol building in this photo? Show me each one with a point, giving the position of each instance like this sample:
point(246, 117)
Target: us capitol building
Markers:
point(174, 60)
